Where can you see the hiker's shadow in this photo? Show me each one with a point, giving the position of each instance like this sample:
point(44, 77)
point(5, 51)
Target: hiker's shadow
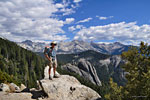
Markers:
point(38, 94)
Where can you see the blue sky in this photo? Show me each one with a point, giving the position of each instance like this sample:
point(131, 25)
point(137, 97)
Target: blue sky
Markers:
point(122, 10)
point(126, 21)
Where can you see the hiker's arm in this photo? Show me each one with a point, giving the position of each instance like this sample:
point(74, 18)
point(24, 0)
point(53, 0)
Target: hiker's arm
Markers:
point(49, 58)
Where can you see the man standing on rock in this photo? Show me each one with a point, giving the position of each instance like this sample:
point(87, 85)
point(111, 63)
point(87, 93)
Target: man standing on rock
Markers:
point(50, 54)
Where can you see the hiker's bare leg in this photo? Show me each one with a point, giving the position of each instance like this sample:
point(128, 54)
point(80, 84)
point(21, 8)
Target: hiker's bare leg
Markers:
point(49, 71)
point(55, 66)
point(54, 69)
point(56, 75)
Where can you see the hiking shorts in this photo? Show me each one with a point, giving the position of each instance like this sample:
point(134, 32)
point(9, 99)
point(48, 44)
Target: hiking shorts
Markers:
point(53, 63)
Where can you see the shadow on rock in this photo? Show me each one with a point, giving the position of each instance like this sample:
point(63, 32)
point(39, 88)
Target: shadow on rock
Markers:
point(99, 99)
point(38, 94)
point(35, 93)
point(26, 90)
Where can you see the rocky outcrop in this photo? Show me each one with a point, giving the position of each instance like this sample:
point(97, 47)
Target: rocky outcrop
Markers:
point(112, 67)
point(9, 87)
point(14, 88)
point(15, 96)
point(63, 88)
point(67, 88)
point(115, 61)
point(84, 69)
point(4, 87)
point(22, 87)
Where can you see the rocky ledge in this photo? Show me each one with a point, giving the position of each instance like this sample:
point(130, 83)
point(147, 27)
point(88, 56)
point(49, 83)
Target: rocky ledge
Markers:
point(67, 88)
point(64, 88)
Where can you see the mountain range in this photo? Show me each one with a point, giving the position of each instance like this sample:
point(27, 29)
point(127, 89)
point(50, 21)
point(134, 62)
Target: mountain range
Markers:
point(76, 46)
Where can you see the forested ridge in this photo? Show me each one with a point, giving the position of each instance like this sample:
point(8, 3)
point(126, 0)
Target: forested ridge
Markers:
point(20, 64)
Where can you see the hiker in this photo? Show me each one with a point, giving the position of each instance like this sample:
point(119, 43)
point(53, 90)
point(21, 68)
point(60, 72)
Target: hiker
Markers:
point(50, 54)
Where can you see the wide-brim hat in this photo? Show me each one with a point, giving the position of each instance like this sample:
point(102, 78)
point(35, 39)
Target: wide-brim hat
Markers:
point(53, 42)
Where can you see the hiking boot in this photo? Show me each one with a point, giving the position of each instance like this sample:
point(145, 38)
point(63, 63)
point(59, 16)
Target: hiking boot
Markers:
point(50, 78)
point(56, 76)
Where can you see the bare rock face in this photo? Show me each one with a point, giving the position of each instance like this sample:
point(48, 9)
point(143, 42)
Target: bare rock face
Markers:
point(15, 96)
point(14, 88)
point(4, 87)
point(22, 87)
point(67, 88)
point(9, 87)
point(84, 69)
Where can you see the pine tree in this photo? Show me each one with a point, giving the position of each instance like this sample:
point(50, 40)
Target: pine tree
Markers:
point(137, 68)
point(115, 91)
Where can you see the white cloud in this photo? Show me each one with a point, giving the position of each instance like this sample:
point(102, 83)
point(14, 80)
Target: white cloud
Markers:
point(59, 5)
point(104, 18)
point(33, 19)
point(68, 7)
point(67, 11)
point(69, 20)
point(71, 28)
point(27, 8)
point(77, 27)
point(85, 20)
point(123, 32)
point(76, 1)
